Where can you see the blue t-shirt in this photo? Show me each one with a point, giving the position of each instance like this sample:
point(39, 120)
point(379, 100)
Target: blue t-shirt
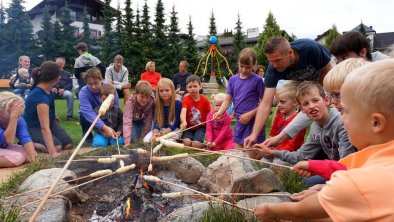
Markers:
point(166, 112)
point(312, 58)
point(246, 93)
point(36, 97)
point(21, 133)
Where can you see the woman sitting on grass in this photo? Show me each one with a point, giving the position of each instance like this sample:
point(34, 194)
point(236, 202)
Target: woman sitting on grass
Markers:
point(13, 125)
point(46, 133)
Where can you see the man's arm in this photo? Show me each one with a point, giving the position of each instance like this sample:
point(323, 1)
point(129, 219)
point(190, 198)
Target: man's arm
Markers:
point(324, 72)
point(263, 112)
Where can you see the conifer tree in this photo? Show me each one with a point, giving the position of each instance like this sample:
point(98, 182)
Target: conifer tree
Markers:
point(17, 38)
point(160, 44)
point(128, 40)
point(46, 36)
point(68, 39)
point(239, 44)
point(332, 34)
point(190, 45)
point(271, 28)
point(107, 50)
point(146, 36)
point(86, 30)
point(174, 53)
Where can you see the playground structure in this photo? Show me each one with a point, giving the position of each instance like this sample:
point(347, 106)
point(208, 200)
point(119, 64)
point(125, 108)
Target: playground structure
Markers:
point(212, 57)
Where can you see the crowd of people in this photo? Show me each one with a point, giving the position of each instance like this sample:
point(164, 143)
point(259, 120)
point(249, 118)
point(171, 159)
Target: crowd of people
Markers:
point(341, 93)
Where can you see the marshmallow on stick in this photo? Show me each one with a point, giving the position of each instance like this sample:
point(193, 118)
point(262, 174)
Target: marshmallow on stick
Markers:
point(106, 104)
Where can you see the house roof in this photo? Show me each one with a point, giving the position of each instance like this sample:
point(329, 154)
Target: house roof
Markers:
point(324, 34)
point(52, 5)
point(383, 40)
point(366, 28)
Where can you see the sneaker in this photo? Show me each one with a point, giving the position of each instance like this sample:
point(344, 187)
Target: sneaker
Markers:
point(70, 118)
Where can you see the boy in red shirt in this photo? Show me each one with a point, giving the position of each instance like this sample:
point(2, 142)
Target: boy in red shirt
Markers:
point(195, 109)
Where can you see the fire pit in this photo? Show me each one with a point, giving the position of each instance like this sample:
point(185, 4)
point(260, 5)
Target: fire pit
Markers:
point(126, 197)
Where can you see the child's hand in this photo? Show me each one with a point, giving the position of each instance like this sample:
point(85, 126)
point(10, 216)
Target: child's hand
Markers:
point(305, 193)
point(16, 110)
point(217, 116)
point(118, 134)
point(183, 125)
point(211, 144)
point(246, 117)
point(108, 132)
point(265, 151)
point(301, 168)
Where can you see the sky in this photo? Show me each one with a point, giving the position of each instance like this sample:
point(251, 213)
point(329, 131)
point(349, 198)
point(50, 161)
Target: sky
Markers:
point(303, 18)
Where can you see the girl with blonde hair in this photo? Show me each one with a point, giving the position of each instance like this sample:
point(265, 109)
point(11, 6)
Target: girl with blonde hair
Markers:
point(167, 109)
point(13, 125)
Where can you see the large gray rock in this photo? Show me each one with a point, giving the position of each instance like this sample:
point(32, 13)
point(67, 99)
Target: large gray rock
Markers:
point(47, 177)
point(262, 181)
point(189, 170)
point(55, 210)
point(221, 174)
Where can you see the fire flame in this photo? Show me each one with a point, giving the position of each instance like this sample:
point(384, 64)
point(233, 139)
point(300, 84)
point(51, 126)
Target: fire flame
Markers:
point(128, 209)
point(144, 182)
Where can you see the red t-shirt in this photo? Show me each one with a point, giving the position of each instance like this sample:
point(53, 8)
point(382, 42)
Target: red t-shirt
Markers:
point(197, 111)
point(152, 78)
point(289, 144)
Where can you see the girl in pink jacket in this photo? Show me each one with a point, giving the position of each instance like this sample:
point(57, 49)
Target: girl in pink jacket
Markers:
point(219, 134)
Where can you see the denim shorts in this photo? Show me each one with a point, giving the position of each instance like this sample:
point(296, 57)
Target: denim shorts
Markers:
point(195, 135)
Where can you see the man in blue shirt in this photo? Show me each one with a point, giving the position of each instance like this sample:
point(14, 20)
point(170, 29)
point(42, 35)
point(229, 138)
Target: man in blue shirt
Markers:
point(300, 60)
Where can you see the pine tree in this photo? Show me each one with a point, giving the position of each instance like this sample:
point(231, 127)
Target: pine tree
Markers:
point(160, 41)
point(271, 28)
point(17, 37)
point(86, 30)
point(332, 34)
point(190, 45)
point(57, 38)
point(139, 62)
point(107, 50)
point(239, 44)
point(128, 49)
point(46, 36)
point(146, 35)
point(68, 39)
point(212, 25)
point(174, 53)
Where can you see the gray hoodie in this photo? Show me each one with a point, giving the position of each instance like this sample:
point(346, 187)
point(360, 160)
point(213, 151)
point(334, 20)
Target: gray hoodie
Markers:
point(332, 139)
point(118, 78)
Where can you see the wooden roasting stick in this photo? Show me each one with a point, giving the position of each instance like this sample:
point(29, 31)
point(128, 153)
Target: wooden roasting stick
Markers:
point(103, 108)
point(182, 146)
point(158, 180)
point(173, 134)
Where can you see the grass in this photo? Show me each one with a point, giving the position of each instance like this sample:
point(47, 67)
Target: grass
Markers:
point(223, 213)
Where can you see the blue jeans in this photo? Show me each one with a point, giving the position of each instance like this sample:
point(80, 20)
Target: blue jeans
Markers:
point(70, 101)
point(21, 92)
point(136, 130)
point(101, 141)
point(313, 180)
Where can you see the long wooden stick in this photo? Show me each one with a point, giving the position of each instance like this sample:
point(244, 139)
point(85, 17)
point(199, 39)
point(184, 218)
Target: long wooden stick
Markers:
point(235, 156)
point(183, 130)
point(79, 185)
point(43, 188)
point(107, 102)
point(201, 193)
